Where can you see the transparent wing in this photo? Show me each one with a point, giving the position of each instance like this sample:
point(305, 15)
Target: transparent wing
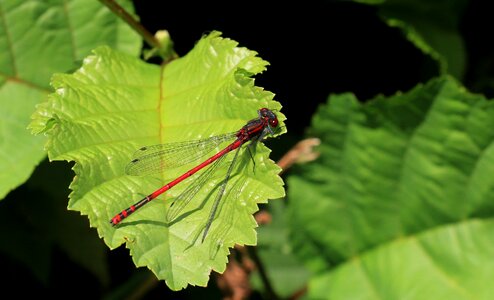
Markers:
point(219, 195)
point(153, 159)
point(228, 212)
point(182, 200)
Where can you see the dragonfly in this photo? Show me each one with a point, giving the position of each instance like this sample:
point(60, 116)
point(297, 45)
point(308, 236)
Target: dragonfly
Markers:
point(152, 159)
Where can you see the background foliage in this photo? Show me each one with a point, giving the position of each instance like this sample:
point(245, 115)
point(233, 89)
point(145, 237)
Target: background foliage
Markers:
point(325, 47)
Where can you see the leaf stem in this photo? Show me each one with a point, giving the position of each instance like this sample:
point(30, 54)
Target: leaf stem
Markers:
point(270, 293)
point(149, 283)
point(136, 25)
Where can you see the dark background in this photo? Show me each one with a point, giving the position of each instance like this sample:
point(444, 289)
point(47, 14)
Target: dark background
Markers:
point(319, 47)
point(315, 48)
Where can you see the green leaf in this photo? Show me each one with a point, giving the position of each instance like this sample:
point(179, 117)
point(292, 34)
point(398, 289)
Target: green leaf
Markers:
point(116, 104)
point(397, 168)
point(38, 38)
point(19, 151)
point(449, 262)
point(284, 270)
point(432, 26)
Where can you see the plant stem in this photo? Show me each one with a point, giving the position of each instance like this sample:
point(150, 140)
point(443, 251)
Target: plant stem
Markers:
point(302, 152)
point(129, 19)
point(270, 293)
point(145, 287)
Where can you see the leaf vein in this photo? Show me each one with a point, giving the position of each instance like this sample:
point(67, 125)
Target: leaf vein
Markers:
point(9, 41)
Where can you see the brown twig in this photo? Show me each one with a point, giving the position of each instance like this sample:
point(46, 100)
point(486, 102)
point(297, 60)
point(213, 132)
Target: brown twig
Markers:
point(298, 294)
point(234, 282)
point(303, 151)
point(129, 19)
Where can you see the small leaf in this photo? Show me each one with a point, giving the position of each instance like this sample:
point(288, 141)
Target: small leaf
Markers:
point(394, 168)
point(38, 38)
point(116, 104)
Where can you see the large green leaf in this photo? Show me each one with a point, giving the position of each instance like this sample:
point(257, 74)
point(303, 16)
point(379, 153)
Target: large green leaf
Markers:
point(449, 262)
point(399, 168)
point(115, 104)
point(38, 38)
point(432, 26)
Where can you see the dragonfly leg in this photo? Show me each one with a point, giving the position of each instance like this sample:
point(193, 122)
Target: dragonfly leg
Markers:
point(221, 191)
point(251, 157)
point(253, 144)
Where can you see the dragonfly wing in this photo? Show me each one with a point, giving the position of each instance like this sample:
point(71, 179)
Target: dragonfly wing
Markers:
point(220, 194)
point(153, 159)
point(182, 200)
point(228, 216)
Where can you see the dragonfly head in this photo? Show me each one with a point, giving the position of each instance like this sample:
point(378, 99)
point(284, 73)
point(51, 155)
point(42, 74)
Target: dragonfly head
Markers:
point(269, 116)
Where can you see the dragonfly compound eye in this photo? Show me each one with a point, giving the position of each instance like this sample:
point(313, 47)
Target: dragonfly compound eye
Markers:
point(264, 112)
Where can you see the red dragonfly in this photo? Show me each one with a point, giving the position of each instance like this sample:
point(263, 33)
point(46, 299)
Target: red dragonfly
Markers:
point(155, 158)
